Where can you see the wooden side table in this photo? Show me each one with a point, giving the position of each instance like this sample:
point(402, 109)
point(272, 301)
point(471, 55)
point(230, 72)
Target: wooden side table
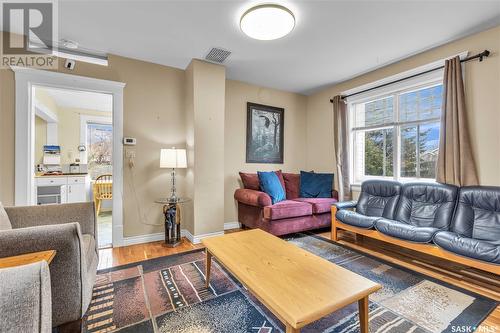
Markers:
point(172, 214)
point(27, 258)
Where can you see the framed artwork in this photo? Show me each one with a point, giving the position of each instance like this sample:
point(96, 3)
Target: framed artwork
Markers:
point(264, 133)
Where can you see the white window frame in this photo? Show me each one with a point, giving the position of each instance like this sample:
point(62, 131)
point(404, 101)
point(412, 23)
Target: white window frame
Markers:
point(84, 121)
point(425, 81)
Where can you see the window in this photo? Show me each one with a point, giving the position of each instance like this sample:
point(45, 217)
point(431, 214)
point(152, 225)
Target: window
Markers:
point(100, 149)
point(396, 135)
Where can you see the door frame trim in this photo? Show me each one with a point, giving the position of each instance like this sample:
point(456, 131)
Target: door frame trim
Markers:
point(25, 79)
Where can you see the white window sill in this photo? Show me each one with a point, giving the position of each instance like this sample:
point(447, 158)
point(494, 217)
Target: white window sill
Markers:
point(357, 186)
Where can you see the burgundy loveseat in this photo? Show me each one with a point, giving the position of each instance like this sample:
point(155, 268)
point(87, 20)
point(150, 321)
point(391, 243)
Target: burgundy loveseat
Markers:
point(255, 209)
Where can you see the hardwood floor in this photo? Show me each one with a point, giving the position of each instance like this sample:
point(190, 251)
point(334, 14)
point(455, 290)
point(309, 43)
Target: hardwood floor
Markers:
point(112, 257)
point(460, 276)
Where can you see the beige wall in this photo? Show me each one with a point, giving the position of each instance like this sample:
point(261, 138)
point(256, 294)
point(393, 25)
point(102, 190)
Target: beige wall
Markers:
point(40, 138)
point(202, 111)
point(68, 129)
point(7, 137)
point(482, 85)
point(206, 116)
point(153, 113)
point(237, 95)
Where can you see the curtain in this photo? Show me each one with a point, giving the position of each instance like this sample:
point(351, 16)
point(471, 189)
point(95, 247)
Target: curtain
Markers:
point(455, 164)
point(341, 147)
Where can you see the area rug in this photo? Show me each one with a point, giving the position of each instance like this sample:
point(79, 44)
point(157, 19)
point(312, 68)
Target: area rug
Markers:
point(168, 294)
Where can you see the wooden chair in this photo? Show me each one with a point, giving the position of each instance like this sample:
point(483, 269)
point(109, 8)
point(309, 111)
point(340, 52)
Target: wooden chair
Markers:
point(103, 190)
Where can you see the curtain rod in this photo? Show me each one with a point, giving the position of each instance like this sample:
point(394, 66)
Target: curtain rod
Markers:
point(481, 55)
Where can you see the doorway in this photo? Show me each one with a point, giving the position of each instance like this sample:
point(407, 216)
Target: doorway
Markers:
point(97, 148)
point(74, 148)
point(99, 141)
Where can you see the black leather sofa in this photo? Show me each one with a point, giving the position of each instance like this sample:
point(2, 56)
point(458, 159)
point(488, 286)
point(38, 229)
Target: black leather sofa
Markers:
point(459, 224)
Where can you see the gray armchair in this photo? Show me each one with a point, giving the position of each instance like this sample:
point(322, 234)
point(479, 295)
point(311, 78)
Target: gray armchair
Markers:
point(70, 229)
point(25, 299)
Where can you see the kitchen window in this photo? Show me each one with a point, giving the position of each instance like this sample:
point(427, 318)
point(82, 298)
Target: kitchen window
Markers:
point(395, 135)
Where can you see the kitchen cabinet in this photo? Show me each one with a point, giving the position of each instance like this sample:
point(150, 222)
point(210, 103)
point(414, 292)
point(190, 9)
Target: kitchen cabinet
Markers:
point(62, 189)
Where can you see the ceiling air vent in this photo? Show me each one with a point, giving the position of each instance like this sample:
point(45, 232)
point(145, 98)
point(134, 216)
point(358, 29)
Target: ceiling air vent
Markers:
point(217, 55)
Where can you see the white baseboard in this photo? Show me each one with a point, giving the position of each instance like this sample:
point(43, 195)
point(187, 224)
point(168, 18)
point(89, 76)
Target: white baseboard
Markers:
point(184, 233)
point(143, 239)
point(196, 239)
point(232, 225)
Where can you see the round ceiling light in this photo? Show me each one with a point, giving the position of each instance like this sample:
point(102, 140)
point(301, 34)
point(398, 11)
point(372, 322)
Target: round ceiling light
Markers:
point(267, 22)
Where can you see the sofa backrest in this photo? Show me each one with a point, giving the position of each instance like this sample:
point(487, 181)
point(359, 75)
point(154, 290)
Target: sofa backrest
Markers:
point(427, 205)
point(378, 198)
point(478, 213)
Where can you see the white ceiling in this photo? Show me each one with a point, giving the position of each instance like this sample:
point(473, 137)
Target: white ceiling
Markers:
point(87, 100)
point(332, 40)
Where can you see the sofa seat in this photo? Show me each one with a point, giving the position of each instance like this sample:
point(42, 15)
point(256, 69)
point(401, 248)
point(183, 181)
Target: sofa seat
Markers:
point(405, 231)
point(287, 209)
point(319, 205)
point(488, 251)
point(356, 219)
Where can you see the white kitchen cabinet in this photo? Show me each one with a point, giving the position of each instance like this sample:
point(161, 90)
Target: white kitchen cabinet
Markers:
point(76, 193)
point(62, 189)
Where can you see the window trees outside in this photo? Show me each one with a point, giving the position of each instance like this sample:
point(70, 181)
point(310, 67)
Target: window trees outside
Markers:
point(100, 149)
point(397, 135)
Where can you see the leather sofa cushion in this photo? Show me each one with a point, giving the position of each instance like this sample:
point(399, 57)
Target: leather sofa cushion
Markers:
point(319, 205)
point(356, 219)
point(478, 213)
point(287, 209)
point(427, 205)
point(378, 198)
point(405, 231)
point(469, 247)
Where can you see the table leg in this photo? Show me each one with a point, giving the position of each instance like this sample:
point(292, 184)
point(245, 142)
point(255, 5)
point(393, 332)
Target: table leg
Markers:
point(290, 329)
point(208, 266)
point(363, 314)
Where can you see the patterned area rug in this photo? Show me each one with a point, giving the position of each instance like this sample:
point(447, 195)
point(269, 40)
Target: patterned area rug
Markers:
point(168, 294)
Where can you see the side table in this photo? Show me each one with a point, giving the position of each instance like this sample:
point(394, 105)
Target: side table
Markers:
point(172, 215)
point(27, 258)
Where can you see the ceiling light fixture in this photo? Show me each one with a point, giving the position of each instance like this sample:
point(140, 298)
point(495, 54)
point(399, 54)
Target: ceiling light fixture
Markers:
point(267, 22)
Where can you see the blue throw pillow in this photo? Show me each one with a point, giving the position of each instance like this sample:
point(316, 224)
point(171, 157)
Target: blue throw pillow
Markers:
point(316, 185)
point(270, 183)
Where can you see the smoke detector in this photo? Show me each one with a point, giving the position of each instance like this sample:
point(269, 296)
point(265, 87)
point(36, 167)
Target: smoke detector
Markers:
point(69, 44)
point(217, 55)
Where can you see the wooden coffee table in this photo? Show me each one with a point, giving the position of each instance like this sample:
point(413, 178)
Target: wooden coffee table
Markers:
point(297, 286)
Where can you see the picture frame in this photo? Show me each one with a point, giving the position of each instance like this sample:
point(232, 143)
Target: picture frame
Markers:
point(265, 134)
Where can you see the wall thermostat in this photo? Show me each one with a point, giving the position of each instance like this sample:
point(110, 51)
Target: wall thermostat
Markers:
point(129, 141)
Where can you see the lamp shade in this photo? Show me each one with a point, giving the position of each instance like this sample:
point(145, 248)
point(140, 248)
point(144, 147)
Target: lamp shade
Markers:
point(173, 158)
